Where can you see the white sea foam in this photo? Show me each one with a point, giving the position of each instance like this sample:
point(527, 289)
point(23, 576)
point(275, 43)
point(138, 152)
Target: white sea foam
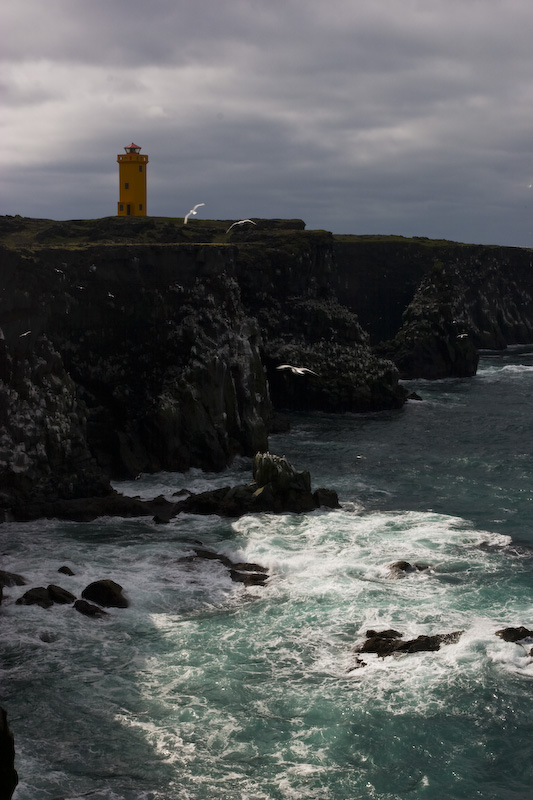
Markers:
point(206, 688)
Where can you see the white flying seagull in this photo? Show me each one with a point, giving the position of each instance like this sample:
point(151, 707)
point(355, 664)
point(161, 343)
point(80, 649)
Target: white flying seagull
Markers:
point(241, 222)
point(297, 370)
point(192, 212)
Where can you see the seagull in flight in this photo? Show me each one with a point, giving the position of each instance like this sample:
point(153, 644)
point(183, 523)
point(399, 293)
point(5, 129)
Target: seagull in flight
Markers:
point(297, 370)
point(27, 333)
point(241, 222)
point(192, 212)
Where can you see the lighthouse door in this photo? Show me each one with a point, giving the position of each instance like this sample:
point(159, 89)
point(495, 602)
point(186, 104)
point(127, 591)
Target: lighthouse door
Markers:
point(128, 210)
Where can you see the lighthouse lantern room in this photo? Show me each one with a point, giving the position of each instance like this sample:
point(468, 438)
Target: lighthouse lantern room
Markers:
point(132, 177)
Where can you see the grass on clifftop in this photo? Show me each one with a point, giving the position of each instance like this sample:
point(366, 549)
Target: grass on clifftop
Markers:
point(378, 238)
point(18, 232)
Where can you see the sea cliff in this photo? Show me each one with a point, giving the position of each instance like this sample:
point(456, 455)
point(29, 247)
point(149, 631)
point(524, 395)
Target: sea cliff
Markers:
point(431, 305)
point(138, 345)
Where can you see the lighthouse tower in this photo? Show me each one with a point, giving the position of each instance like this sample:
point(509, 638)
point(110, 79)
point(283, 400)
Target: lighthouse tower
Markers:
point(132, 176)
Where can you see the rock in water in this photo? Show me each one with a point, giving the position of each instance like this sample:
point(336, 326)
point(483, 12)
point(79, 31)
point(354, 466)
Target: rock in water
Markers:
point(38, 596)
point(385, 643)
point(60, 595)
point(8, 773)
point(106, 593)
point(11, 579)
point(89, 609)
point(514, 634)
point(276, 470)
point(277, 488)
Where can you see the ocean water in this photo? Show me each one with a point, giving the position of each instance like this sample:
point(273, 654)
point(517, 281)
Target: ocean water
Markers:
point(204, 688)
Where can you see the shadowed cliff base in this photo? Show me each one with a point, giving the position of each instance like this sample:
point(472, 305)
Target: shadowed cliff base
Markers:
point(276, 488)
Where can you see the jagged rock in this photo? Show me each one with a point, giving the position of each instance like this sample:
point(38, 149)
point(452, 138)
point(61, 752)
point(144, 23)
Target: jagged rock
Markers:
point(431, 343)
point(514, 634)
point(8, 773)
point(389, 633)
point(65, 570)
point(277, 489)
point(386, 643)
point(106, 593)
point(88, 609)
point(60, 595)
point(276, 470)
point(249, 499)
point(38, 596)
point(246, 566)
point(248, 578)
point(398, 569)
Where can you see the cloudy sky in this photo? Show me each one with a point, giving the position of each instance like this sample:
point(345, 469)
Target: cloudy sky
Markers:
point(411, 117)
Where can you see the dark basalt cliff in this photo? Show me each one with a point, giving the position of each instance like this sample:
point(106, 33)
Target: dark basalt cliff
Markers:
point(144, 345)
point(131, 345)
point(430, 306)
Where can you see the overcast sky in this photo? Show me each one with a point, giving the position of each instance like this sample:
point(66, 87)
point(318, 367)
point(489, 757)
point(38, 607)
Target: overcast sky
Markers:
point(411, 117)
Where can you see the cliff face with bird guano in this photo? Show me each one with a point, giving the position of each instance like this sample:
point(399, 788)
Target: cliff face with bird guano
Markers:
point(137, 345)
point(430, 306)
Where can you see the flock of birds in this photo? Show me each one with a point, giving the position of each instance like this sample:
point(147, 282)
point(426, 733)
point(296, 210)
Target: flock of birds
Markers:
point(193, 212)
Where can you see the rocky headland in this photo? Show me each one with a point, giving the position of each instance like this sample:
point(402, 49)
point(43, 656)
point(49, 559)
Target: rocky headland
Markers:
point(138, 345)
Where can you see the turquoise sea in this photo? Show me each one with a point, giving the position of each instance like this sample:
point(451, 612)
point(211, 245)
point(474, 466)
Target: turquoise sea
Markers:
point(204, 688)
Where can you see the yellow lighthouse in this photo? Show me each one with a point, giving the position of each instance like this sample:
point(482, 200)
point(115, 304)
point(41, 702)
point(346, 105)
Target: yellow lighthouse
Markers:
point(132, 176)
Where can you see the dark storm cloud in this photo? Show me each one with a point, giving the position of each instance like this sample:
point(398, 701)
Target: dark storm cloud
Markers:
point(403, 116)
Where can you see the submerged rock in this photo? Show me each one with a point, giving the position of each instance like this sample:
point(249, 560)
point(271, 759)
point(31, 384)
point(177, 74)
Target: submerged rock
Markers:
point(89, 609)
point(241, 571)
point(398, 569)
point(248, 578)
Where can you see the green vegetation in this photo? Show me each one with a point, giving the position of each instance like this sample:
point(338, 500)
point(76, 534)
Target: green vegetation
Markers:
point(32, 234)
point(422, 240)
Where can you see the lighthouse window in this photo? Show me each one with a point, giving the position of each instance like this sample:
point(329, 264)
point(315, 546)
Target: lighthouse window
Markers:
point(126, 186)
point(140, 206)
point(140, 167)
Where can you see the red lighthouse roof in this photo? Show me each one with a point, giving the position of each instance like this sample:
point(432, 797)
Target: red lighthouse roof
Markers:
point(132, 148)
